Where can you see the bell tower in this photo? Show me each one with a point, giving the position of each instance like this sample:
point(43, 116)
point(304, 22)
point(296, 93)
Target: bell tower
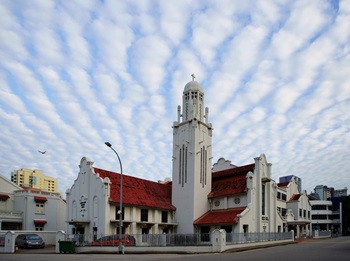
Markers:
point(192, 150)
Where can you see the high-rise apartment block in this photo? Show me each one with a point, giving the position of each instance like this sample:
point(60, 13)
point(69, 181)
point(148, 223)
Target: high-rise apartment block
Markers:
point(34, 179)
point(340, 192)
point(326, 193)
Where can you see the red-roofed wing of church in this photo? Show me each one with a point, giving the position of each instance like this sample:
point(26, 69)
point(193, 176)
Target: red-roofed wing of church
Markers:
point(138, 192)
point(230, 181)
point(226, 183)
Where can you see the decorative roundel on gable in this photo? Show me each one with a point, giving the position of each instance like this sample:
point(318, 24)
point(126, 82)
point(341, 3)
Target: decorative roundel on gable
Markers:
point(217, 203)
point(237, 200)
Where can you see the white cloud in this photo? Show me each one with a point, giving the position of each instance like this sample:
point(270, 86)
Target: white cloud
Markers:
point(11, 45)
point(149, 55)
point(285, 98)
point(174, 19)
point(108, 86)
point(210, 29)
point(75, 74)
point(111, 42)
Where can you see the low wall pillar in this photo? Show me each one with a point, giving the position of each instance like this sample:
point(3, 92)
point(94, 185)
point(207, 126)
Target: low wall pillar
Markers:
point(218, 240)
point(10, 238)
point(60, 236)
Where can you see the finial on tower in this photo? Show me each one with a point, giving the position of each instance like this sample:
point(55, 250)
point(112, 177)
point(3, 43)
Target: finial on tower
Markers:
point(193, 76)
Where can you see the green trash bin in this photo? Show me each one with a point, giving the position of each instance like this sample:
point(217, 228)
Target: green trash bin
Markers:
point(67, 246)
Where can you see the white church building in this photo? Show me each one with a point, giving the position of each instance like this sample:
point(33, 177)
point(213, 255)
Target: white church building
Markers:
point(200, 197)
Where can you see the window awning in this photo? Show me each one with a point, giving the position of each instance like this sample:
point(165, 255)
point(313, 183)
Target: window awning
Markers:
point(4, 196)
point(40, 221)
point(40, 199)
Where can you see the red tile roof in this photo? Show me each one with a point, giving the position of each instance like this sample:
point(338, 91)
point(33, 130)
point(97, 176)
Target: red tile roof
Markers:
point(295, 197)
point(139, 192)
point(230, 181)
point(223, 216)
point(283, 184)
point(234, 171)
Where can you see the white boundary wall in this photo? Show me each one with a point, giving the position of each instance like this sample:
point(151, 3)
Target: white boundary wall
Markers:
point(10, 236)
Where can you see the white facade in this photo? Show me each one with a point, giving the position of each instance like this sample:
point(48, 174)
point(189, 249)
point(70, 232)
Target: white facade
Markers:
point(30, 209)
point(42, 210)
point(192, 143)
point(262, 195)
point(248, 195)
point(92, 205)
point(296, 209)
point(87, 203)
point(9, 218)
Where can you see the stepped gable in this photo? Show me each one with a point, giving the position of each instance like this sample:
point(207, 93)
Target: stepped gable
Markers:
point(230, 181)
point(138, 192)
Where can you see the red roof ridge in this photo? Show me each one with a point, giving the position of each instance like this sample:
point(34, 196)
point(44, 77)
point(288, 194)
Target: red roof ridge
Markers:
point(241, 170)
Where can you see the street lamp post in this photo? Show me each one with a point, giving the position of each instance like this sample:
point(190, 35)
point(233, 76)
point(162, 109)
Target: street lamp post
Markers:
point(120, 199)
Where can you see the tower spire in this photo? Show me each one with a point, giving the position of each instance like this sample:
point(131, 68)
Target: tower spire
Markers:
point(193, 76)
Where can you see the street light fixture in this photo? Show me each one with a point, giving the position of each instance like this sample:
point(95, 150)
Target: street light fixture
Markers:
point(120, 212)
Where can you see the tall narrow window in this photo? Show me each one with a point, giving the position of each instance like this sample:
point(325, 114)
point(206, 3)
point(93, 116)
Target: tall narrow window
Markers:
point(180, 163)
point(263, 199)
point(284, 197)
point(186, 165)
point(164, 216)
point(284, 212)
point(201, 168)
point(278, 195)
point(205, 166)
point(183, 166)
point(144, 215)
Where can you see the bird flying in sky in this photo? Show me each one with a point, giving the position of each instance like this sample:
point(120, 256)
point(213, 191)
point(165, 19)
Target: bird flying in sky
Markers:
point(42, 152)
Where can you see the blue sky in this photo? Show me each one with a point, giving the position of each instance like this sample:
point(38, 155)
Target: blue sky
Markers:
point(276, 77)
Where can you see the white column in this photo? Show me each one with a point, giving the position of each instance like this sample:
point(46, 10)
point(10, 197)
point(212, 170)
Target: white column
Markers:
point(218, 240)
point(10, 242)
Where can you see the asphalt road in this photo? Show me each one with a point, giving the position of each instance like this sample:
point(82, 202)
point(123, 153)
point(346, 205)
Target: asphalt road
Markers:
point(321, 249)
